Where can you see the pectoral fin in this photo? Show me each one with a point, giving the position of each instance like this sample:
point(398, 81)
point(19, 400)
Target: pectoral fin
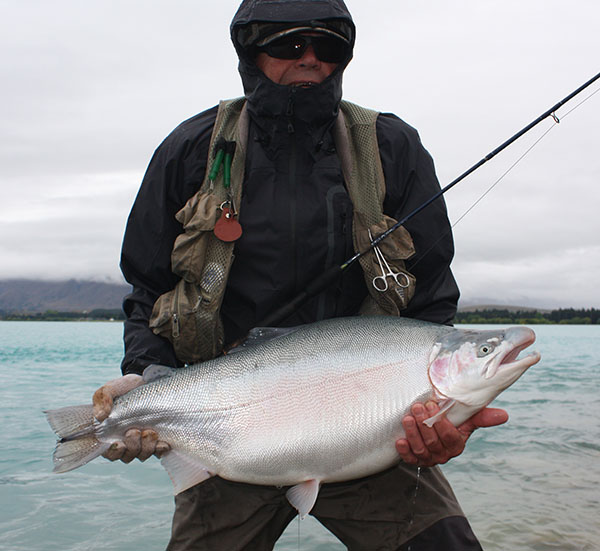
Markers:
point(303, 496)
point(185, 471)
point(444, 408)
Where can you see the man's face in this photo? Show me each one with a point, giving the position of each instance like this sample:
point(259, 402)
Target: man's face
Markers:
point(305, 71)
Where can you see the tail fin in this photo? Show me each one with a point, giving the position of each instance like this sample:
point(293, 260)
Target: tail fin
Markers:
point(75, 425)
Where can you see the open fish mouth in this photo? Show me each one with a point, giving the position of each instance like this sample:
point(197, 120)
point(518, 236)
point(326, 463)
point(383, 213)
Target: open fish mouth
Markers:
point(517, 339)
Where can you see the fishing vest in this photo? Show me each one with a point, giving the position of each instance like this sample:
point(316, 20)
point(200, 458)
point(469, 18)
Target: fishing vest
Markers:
point(188, 316)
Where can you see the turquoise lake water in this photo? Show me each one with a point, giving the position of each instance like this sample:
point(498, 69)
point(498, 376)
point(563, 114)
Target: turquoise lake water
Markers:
point(532, 484)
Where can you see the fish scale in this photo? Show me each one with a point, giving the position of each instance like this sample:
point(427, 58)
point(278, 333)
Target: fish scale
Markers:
point(320, 403)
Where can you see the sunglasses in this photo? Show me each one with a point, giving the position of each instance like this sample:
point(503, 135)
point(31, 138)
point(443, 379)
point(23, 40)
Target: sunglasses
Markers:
point(328, 49)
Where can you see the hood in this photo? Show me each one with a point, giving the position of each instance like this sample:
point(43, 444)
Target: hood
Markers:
point(270, 101)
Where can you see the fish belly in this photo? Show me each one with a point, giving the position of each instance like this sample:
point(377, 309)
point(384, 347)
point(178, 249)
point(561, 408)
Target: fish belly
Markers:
point(324, 403)
point(338, 428)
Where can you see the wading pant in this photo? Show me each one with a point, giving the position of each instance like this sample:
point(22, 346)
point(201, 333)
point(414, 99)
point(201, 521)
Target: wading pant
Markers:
point(377, 513)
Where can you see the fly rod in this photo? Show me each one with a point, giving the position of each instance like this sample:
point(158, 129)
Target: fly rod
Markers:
point(322, 282)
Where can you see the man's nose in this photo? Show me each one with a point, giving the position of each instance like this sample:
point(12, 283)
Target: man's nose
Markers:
point(309, 58)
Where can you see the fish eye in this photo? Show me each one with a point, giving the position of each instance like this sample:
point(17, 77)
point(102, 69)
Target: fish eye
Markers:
point(485, 349)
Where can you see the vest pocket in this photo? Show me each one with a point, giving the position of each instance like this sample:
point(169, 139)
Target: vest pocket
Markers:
point(395, 249)
point(189, 312)
point(198, 218)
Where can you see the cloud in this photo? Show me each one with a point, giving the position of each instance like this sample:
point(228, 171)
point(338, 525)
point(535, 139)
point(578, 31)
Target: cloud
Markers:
point(542, 280)
point(90, 89)
point(71, 227)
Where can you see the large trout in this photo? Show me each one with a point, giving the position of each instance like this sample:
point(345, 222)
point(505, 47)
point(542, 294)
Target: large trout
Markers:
point(303, 406)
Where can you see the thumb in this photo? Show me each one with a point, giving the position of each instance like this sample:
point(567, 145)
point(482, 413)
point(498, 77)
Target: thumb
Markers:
point(103, 397)
point(487, 417)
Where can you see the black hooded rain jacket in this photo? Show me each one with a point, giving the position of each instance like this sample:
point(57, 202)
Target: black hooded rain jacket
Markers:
point(295, 212)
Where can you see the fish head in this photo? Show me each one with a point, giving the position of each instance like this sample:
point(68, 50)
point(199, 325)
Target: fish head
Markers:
point(473, 367)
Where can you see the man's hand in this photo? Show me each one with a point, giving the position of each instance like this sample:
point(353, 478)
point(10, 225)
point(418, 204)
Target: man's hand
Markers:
point(136, 443)
point(428, 446)
point(104, 396)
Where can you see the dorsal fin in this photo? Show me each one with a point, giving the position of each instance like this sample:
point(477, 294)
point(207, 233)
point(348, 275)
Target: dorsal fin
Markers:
point(260, 335)
point(154, 372)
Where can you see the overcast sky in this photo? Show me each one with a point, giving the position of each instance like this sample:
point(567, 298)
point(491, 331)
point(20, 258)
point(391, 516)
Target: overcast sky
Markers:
point(89, 90)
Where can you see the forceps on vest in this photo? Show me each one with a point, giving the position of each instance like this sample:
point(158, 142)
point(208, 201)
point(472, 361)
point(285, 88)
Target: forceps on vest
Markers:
point(380, 282)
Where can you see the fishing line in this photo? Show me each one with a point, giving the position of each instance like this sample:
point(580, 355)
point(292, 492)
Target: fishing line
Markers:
point(510, 168)
point(483, 195)
point(549, 113)
point(414, 504)
point(580, 103)
point(330, 276)
point(556, 121)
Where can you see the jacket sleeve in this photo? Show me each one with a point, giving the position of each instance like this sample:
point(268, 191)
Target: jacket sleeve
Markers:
point(174, 174)
point(410, 181)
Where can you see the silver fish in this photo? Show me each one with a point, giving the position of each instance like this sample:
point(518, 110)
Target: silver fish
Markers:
point(319, 403)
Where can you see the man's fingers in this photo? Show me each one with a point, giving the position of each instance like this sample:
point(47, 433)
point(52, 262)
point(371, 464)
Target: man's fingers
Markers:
point(124, 384)
point(103, 403)
point(415, 440)
point(103, 397)
point(452, 441)
point(115, 452)
point(404, 451)
point(137, 444)
point(161, 448)
point(487, 417)
point(430, 435)
point(428, 446)
point(133, 443)
point(149, 438)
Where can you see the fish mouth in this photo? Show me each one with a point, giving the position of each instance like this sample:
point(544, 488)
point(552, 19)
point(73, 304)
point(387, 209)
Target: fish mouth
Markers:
point(517, 339)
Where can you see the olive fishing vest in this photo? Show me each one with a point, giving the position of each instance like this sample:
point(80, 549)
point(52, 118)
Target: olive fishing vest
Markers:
point(188, 316)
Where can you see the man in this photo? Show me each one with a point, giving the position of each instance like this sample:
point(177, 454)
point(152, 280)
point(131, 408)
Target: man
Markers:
point(296, 211)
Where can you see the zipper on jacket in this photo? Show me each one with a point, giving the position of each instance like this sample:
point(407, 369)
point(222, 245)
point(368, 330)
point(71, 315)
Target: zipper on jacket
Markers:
point(175, 309)
point(292, 186)
point(290, 112)
point(175, 325)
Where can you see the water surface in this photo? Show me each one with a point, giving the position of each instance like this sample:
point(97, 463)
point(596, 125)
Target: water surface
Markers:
point(532, 484)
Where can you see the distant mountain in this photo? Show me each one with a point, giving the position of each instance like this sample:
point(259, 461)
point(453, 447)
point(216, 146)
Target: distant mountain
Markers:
point(508, 308)
point(35, 296)
point(30, 296)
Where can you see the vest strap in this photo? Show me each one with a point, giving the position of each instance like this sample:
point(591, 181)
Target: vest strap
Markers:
point(356, 142)
point(188, 316)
